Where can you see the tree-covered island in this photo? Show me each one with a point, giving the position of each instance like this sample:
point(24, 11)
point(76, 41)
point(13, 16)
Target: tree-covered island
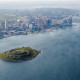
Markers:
point(20, 54)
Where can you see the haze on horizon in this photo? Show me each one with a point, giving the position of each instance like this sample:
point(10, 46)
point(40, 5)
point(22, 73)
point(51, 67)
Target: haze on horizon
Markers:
point(23, 4)
point(35, 0)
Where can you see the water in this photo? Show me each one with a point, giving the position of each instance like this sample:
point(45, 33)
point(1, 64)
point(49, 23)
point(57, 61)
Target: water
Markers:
point(59, 60)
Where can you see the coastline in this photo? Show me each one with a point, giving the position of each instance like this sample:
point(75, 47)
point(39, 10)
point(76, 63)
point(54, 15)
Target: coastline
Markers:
point(18, 57)
point(35, 32)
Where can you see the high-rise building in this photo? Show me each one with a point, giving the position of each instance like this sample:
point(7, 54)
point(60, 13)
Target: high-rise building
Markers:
point(6, 24)
point(67, 21)
point(30, 26)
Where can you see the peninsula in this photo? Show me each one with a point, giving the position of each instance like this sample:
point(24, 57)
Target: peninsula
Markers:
point(20, 54)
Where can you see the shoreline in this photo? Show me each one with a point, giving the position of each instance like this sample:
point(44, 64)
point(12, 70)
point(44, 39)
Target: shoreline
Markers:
point(31, 55)
point(35, 32)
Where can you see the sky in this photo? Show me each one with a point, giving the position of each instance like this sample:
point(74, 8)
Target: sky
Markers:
point(23, 4)
point(34, 0)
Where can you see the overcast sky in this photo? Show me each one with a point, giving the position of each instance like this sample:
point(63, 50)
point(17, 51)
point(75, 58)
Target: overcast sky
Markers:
point(34, 0)
point(22, 4)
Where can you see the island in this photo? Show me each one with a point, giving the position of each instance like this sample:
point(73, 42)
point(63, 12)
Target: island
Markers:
point(20, 54)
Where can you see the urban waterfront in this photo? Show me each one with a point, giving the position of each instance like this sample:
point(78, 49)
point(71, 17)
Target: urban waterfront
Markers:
point(59, 59)
point(23, 22)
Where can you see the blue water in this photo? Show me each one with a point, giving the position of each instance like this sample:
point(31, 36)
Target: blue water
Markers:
point(59, 60)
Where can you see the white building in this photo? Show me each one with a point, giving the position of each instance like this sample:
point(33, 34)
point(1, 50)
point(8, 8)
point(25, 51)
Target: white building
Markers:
point(30, 26)
point(6, 26)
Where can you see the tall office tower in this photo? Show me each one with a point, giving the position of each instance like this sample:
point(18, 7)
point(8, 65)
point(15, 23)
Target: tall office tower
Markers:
point(6, 26)
point(70, 21)
point(26, 20)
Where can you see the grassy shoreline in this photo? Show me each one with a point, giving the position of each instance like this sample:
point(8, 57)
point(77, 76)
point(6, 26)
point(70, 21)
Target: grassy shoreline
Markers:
point(19, 54)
